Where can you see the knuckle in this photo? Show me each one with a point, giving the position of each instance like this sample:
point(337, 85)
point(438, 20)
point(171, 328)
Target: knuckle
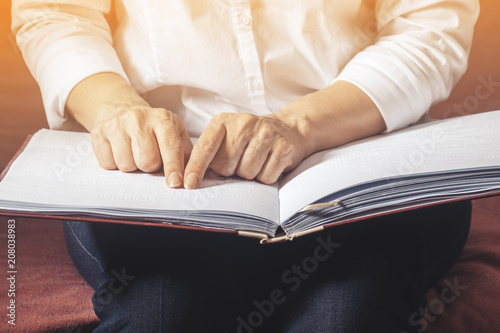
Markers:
point(284, 148)
point(246, 173)
point(247, 117)
point(220, 116)
point(168, 130)
point(257, 148)
point(97, 130)
point(106, 164)
point(266, 131)
point(111, 123)
point(171, 143)
point(205, 145)
point(135, 119)
point(163, 115)
point(148, 163)
point(222, 168)
point(267, 178)
point(126, 166)
point(220, 119)
point(98, 134)
point(97, 140)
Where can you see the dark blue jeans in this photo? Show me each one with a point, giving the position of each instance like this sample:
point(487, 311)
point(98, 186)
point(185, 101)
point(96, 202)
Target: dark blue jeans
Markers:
point(368, 276)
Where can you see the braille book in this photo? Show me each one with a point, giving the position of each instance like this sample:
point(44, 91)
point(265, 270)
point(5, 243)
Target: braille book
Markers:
point(56, 175)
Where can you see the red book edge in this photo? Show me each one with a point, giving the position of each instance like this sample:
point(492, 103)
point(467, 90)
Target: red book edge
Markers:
point(16, 155)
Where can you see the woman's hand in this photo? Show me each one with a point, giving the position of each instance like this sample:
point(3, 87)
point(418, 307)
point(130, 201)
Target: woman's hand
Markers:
point(264, 147)
point(253, 147)
point(143, 138)
point(127, 133)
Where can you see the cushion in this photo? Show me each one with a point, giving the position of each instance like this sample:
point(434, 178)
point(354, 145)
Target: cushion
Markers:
point(466, 299)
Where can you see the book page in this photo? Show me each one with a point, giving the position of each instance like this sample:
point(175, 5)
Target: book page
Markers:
point(59, 169)
point(452, 144)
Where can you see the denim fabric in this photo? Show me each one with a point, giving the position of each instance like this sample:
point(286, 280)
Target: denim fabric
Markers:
point(369, 276)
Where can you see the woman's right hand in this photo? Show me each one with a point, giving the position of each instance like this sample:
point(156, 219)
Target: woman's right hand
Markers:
point(143, 138)
point(127, 133)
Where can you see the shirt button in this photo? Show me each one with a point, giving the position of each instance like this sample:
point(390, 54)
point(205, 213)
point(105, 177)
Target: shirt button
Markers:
point(257, 85)
point(245, 20)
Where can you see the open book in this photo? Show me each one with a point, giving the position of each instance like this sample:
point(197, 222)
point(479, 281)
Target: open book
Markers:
point(55, 174)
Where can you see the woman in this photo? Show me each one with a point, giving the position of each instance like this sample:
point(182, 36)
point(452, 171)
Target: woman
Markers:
point(264, 85)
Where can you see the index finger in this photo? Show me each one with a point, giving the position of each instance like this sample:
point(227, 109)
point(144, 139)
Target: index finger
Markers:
point(202, 154)
point(172, 154)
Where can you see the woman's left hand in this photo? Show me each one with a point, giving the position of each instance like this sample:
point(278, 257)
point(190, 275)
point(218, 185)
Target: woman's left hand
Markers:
point(263, 147)
point(253, 147)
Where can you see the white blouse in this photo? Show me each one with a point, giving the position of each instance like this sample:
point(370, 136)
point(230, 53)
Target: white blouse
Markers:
point(200, 58)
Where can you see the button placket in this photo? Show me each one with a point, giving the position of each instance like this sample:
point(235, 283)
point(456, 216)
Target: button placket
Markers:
point(242, 21)
point(257, 85)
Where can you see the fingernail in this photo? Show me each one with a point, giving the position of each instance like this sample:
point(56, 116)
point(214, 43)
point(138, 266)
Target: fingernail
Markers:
point(191, 181)
point(174, 180)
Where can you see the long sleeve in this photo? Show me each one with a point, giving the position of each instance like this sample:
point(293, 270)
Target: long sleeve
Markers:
point(417, 51)
point(63, 42)
point(421, 51)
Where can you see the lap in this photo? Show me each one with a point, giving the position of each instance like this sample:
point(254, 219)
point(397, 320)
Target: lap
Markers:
point(371, 274)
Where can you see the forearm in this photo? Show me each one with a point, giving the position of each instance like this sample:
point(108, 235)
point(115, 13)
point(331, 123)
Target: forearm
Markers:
point(333, 116)
point(64, 42)
point(100, 97)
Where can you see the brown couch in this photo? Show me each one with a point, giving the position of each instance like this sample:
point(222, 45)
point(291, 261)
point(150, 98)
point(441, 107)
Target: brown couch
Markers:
point(52, 297)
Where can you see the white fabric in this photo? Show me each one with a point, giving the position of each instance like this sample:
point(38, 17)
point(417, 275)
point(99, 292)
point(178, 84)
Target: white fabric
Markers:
point(200, 58)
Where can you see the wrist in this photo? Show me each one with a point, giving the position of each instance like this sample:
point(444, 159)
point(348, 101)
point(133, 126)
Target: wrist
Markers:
point(333, 116)
point(101, 97)
point(301, 115)
point(295, 116)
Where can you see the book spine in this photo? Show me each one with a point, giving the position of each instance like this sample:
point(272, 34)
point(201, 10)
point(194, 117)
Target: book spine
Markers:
point(287, 238)
point(262, 237)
